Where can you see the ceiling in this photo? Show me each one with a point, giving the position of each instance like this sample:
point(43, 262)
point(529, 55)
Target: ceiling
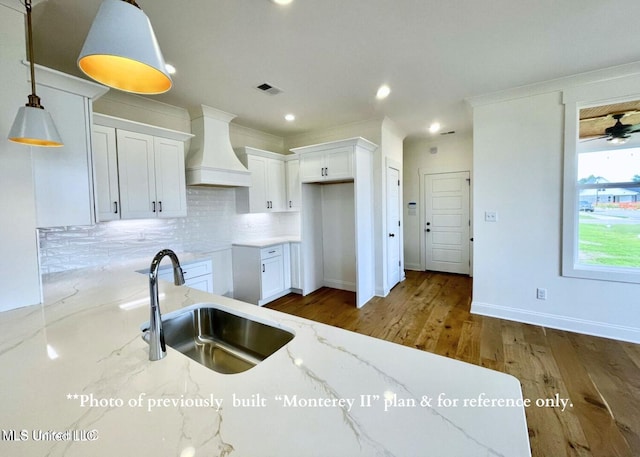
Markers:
point(330, 56)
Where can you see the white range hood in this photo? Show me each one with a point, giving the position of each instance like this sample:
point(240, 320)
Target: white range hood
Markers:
point(211, 160)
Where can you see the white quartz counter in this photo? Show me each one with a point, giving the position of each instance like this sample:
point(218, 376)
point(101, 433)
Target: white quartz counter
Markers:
point(76, 381)
point(266, 242)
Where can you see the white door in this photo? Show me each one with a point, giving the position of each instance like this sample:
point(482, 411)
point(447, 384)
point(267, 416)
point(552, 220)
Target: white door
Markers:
point(338, 164)
point(105, 161)
point(294, 193)
point(447, 222)
point(276, 188)
point(136, 171)
point(258, 199)
point(393, 227)
point(272, 276)
point(171, 191)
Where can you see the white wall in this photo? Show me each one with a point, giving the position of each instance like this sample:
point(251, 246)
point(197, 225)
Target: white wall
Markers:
point(19, 277)
point(517, 169)
point(454, 153)
point(338, 233)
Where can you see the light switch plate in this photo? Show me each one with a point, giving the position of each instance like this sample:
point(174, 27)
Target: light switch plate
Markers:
point(490, 216)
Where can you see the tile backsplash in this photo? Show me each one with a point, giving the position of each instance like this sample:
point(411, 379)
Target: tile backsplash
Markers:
point(211, 224)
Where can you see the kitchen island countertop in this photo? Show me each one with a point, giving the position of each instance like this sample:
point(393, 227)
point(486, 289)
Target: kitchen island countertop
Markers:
point(76, 381)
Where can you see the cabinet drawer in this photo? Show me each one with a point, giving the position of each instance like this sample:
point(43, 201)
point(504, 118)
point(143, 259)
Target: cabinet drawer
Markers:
point(271, 251)
point(195, 269)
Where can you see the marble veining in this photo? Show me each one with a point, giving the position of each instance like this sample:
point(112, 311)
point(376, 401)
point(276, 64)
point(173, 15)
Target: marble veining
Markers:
point(83, 341)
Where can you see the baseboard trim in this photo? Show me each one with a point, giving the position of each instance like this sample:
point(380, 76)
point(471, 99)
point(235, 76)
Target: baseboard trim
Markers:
point(413, 267)
point(571, 324)
point(342, 285)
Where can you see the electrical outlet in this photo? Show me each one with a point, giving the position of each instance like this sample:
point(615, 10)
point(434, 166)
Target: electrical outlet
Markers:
point(490, 216)
point(541, 294)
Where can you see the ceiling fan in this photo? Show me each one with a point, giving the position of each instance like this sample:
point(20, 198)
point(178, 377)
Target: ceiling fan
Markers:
point(619, 133)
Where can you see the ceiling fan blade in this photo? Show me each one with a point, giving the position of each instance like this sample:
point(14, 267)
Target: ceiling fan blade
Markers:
point(634, 129)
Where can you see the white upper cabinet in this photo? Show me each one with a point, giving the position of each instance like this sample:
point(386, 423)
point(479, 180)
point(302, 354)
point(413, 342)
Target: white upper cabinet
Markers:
point(292, 173)
point(149, 179)
point(105, 161)
point(329, 165)
point(171, 190)
point(63, 176)
point(268, 187)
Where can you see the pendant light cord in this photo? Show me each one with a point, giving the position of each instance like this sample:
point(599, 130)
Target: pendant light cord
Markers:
point(34, 100)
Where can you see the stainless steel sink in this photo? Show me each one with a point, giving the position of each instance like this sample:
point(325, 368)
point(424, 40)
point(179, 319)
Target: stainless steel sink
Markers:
point(220, 340)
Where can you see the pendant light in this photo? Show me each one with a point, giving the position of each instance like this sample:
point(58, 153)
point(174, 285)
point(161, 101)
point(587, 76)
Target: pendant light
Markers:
point(121, 50)
point(33, 125)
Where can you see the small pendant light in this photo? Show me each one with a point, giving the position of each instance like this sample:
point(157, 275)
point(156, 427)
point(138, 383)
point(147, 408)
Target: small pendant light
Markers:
point(121, 50)
point(33, 125)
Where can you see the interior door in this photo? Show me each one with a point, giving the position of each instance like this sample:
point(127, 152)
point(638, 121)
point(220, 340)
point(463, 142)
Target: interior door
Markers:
point(393, 227)
point(447, 222)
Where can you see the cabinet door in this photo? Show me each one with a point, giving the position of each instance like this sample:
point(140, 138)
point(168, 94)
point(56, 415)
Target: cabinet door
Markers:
point(311, 167)
point(171, 191)
point(105, 162)
point(137, 175)
point(258, 200)
point(62, 176)
point(339, 164)
point(204, 283)
point(276, 193)
point(292, 172)
point(272, 276)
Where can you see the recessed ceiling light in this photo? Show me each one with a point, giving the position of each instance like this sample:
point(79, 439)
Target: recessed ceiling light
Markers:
point(170, 68)
point(281, 2)
point(290, 117)
point(383, 92)
point(434, 127)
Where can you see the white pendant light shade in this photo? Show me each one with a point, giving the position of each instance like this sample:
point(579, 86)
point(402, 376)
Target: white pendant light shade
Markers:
point(121, 50)
point(34, 126)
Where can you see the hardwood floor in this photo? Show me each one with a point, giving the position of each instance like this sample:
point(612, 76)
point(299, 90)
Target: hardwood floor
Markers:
point(430, 311)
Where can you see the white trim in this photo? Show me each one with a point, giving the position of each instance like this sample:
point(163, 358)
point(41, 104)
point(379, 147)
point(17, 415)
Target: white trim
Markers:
point(594, 328)
point(61, 81)
point(614, 90)
point(139, 127)
point(605, 75)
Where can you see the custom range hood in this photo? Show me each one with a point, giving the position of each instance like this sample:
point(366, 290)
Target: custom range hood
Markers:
point(211, 160)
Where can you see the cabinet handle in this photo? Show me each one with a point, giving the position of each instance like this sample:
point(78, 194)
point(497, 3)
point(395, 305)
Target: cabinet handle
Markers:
point(263, 267)
point(326, 171)
point(116, 206)
point(154, 207)
point(322, 171)
point(160, 204)
point(290, 206)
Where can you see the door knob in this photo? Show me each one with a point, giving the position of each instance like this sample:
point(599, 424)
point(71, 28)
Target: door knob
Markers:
point(427, 230)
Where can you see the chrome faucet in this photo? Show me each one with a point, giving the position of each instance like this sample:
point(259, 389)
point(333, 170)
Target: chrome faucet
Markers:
point(157, 348)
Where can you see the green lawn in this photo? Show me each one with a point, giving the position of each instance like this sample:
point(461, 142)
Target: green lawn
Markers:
point(614, 244)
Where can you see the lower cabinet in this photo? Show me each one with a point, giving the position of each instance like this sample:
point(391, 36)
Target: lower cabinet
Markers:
point(261, 274)
point(197, 274)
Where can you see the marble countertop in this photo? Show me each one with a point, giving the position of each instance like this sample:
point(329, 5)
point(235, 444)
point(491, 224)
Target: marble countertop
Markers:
point(76, 381)
point(266, 242)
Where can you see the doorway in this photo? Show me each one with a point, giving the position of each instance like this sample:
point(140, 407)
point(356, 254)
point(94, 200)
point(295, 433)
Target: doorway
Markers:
point(447, 222)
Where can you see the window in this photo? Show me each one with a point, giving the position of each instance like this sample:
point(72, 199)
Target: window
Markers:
point(601, 234)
